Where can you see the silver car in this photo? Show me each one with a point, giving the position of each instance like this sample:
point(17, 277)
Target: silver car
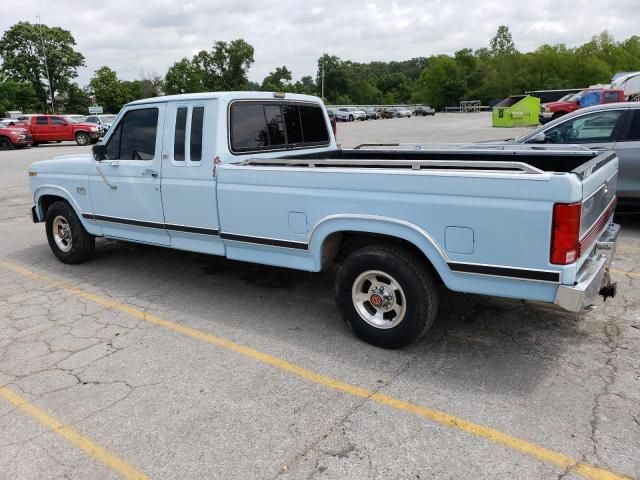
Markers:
point(613, 126)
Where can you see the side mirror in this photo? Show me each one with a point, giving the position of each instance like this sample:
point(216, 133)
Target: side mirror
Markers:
point(100, 152)
point(538, 138)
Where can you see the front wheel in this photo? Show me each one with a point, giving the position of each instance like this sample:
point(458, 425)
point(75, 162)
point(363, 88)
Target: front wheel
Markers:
point(82, 138)
point(386, 295)
point(5, 143)
point(68, 239)
point(351, 118)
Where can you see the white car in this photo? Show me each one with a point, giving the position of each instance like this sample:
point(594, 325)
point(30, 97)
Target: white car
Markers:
point(353, 113)
point(401, 112)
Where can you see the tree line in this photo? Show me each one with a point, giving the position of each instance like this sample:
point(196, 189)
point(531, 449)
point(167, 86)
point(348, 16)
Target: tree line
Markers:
point(38, 60)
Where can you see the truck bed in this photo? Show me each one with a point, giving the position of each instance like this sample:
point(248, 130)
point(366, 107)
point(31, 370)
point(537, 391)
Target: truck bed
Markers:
point(530, 159)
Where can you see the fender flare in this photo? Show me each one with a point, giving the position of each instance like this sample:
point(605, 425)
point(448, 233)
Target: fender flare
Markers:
point(58, 191)
point(374, 224)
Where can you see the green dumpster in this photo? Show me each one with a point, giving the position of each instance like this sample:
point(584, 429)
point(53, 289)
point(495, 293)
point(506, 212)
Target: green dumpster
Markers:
point(517, 111)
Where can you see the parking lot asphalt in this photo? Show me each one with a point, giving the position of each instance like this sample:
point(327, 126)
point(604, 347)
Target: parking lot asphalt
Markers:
point(152, 363)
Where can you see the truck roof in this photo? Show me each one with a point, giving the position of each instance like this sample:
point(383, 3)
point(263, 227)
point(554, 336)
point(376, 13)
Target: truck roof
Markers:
point(227, 96)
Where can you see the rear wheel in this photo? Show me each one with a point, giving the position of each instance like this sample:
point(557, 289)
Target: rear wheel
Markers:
point(386, 295)
point(68, 239)
point(351, 118)
point(5, 143)
point(82, 138)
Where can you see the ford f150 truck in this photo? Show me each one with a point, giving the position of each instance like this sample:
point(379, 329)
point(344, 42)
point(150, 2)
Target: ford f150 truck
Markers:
point(258, 177)
point(56, 128)
point(585, 98)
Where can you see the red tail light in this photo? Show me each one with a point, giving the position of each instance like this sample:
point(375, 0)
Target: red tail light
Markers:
point(565, 233)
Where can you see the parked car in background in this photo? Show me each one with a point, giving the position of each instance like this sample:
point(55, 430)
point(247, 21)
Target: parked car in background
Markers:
point(614, 126)
point(371, 113)
point(14, 137)
point(353, 113)
point(341, 115)
point(384, 112)
point(583, 99)
point(401, 112)
point(424, 110)
point(104, 122)
point(76, 118)
point(58, 128)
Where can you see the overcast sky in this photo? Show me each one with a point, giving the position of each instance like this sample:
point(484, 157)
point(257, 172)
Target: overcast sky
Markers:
point(149, 35)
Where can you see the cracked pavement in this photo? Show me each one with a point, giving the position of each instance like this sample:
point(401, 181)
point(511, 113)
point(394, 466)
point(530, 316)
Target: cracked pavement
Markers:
point(175, 407)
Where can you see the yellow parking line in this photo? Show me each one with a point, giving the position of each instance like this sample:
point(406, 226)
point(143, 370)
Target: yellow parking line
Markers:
point(79, 440)
point(623, 272)
point(541, 453)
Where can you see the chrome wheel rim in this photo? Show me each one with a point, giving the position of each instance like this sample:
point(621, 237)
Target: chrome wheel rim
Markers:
point(83, 139)
point(379, 299)
point(62, 233)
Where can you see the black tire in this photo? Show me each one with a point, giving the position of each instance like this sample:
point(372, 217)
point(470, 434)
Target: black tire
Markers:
point(5, 143)
point(351, 118)
point(58, 141)
point(417, 297)
point(82, 138)
point(80, 243)
point(557, 115)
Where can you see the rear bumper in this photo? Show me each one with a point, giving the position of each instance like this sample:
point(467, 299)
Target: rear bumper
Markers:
point(593, 278)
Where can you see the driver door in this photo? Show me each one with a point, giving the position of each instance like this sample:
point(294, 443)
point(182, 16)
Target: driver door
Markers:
point(125, 187)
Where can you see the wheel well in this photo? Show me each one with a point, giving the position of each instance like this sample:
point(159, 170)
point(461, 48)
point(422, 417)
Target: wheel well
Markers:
point(46, 201)
point(339, 245)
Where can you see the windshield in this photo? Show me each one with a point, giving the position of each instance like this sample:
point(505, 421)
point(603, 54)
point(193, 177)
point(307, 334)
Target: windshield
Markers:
point(108, 118)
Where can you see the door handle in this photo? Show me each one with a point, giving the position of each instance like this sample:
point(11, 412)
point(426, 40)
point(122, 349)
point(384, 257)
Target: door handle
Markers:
point(115, 164)
point(151, 173)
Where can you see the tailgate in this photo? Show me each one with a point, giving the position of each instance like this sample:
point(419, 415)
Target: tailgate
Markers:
point(599, 177)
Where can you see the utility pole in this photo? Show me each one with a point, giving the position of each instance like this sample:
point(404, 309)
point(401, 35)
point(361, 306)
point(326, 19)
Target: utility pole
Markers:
point(46, 65)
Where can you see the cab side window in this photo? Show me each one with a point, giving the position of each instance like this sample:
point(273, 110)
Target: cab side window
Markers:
point(596, 127)
point(42, 121)
point(135, 136)
point(57, 121)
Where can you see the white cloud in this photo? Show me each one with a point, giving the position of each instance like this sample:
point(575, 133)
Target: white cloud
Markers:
point(134, 36)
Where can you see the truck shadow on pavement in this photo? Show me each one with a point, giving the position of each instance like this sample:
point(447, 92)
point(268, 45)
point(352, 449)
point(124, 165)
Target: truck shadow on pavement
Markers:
point(476, 342)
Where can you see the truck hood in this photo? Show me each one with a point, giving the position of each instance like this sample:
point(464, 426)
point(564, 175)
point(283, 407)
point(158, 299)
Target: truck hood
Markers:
point(68, 164)
point(555, 105)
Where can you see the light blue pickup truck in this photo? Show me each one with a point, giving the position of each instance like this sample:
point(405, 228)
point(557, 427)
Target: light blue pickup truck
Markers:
point(258, 177)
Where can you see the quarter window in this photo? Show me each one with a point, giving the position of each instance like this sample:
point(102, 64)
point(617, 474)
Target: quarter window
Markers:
point(258, 126)
point(135, 136)
point(197, 119)
point(634, 128)
point(178, 139)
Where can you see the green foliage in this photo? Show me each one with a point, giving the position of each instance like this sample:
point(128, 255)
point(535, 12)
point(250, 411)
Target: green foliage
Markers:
point(23, 49)
point(17, 95)
point(76, 99)
point(278, 81)
point(109, 91)
point(225, 67)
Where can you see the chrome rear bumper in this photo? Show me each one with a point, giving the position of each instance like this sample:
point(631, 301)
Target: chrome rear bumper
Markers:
point(593, 278)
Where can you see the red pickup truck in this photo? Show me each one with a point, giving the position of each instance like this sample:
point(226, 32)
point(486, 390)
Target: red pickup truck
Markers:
point(585, 98)
point(13, 137)
point(57, 128)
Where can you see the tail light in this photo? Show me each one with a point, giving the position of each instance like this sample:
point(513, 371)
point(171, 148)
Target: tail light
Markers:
point(565, 233)
point(333, 125)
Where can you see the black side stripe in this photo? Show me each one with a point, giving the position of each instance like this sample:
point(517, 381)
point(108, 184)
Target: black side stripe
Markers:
point(273, 242)
point(183, 228)
point(521, 273)
point(203, 231)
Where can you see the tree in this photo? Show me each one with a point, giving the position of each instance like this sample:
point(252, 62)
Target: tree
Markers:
point(109, 90)
point(502, 42)
point(183, 77)
point(306, 85)
point(77, 99)
point(23, 49)
point(440, 83)
point(16, 95)
point(278, 81)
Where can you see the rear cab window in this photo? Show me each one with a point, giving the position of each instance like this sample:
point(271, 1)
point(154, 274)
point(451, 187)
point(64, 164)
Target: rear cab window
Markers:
point(265, 125)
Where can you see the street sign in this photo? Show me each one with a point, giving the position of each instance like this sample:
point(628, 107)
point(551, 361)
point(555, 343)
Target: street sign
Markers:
point(95, 109)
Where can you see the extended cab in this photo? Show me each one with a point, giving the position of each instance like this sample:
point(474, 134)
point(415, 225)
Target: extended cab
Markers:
point(58, 128)
point(258, 177)
point(585, 98)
